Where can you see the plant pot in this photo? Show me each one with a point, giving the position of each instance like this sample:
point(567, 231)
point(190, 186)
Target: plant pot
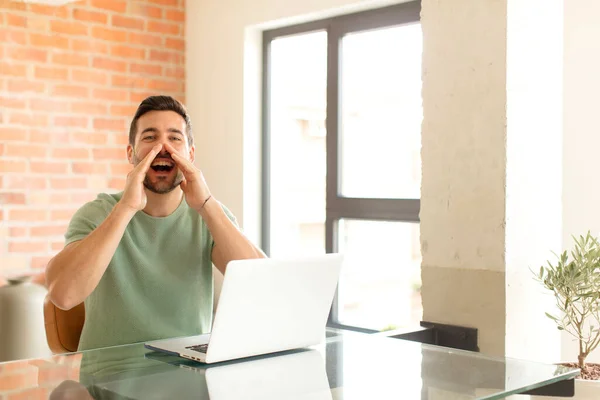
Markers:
point(584, 390)
point(22, 331)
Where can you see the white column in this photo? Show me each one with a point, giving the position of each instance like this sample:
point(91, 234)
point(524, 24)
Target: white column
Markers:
point(487, 102)
point(464, 166)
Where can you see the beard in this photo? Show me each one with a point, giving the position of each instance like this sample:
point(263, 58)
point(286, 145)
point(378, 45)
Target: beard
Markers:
point(164, 184)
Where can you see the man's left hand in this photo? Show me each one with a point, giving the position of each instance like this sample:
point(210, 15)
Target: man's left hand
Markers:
point(193, 185)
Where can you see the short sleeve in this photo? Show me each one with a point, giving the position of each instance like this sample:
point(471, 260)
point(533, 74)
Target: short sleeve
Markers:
point(231, 217)
point(87, 218)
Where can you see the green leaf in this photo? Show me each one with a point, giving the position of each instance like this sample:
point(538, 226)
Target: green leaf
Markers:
point(552, 317)
point(574, 278)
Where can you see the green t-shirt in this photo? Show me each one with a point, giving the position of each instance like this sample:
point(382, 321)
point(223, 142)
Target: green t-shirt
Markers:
point(159, 282)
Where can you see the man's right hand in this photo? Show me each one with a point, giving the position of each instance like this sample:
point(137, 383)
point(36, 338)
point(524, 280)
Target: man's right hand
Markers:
point(134, 195)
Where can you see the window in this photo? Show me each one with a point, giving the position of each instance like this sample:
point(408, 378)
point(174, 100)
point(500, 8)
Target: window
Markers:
point(341, 157)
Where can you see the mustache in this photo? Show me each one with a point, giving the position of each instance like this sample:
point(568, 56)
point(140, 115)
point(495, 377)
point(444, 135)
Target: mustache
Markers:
point(165, 156)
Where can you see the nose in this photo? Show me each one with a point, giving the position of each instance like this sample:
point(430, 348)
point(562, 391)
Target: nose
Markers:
point(163, 154)
point(163, 139)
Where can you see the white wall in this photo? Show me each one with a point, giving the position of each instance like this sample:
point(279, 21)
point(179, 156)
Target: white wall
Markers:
point(581, 196)
point(534, 139)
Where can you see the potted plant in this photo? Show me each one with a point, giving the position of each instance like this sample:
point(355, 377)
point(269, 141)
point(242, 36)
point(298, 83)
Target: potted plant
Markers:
point(574, 279)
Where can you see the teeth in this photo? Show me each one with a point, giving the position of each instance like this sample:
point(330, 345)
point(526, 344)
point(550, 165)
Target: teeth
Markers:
point(162, 163)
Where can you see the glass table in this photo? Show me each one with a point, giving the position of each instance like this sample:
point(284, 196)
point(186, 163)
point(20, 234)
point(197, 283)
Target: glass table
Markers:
point(346, 366)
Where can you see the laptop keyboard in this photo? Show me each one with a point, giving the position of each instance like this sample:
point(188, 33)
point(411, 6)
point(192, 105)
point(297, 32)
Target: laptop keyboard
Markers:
point(201, 348)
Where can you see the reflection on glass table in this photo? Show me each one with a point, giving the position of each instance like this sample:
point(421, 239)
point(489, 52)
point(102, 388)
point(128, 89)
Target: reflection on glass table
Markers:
point(345, 366)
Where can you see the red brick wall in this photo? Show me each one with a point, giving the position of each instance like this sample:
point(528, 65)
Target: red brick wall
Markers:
point(70, 80)
point(33, 380)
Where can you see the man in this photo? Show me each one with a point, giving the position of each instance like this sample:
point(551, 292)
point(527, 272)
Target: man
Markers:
point(142, 259)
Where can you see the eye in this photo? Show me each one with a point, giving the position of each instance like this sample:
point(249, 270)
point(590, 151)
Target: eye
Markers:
point(148, 137)
point(176, 138)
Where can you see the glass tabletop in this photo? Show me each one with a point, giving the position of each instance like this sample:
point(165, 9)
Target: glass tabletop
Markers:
point(345, 366)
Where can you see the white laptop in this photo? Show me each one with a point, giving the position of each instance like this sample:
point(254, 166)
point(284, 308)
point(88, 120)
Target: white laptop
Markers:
point(266, 306)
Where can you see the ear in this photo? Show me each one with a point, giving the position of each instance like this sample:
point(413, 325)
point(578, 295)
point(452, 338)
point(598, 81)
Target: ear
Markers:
point(130, 153)
point(192, 153)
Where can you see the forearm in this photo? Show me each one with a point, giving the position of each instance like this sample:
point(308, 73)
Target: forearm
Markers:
point(233, 244)
point(73, 274)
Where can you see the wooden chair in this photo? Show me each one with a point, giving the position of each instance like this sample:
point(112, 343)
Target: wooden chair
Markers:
point(63, 328)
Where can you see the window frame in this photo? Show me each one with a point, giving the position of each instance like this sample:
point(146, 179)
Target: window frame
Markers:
point(337, 206)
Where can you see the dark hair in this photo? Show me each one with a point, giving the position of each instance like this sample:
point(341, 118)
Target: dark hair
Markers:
point(161, 103)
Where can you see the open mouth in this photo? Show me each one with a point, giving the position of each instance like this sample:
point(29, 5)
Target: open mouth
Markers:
point(162, 165)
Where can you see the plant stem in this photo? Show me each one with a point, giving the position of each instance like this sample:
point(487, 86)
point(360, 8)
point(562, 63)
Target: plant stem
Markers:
point(581, 360)
point(582, 355)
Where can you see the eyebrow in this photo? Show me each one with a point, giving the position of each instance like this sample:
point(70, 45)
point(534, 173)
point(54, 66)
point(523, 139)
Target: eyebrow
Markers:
point(170, 130)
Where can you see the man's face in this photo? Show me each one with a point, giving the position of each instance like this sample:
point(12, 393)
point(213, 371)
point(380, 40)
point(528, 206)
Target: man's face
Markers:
point(159, 127)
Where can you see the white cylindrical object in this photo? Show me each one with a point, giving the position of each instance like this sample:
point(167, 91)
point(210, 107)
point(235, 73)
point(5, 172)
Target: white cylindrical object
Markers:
point(22, 331)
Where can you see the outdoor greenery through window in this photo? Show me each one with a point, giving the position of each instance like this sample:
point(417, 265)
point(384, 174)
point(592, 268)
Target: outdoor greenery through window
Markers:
point(342, 167)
